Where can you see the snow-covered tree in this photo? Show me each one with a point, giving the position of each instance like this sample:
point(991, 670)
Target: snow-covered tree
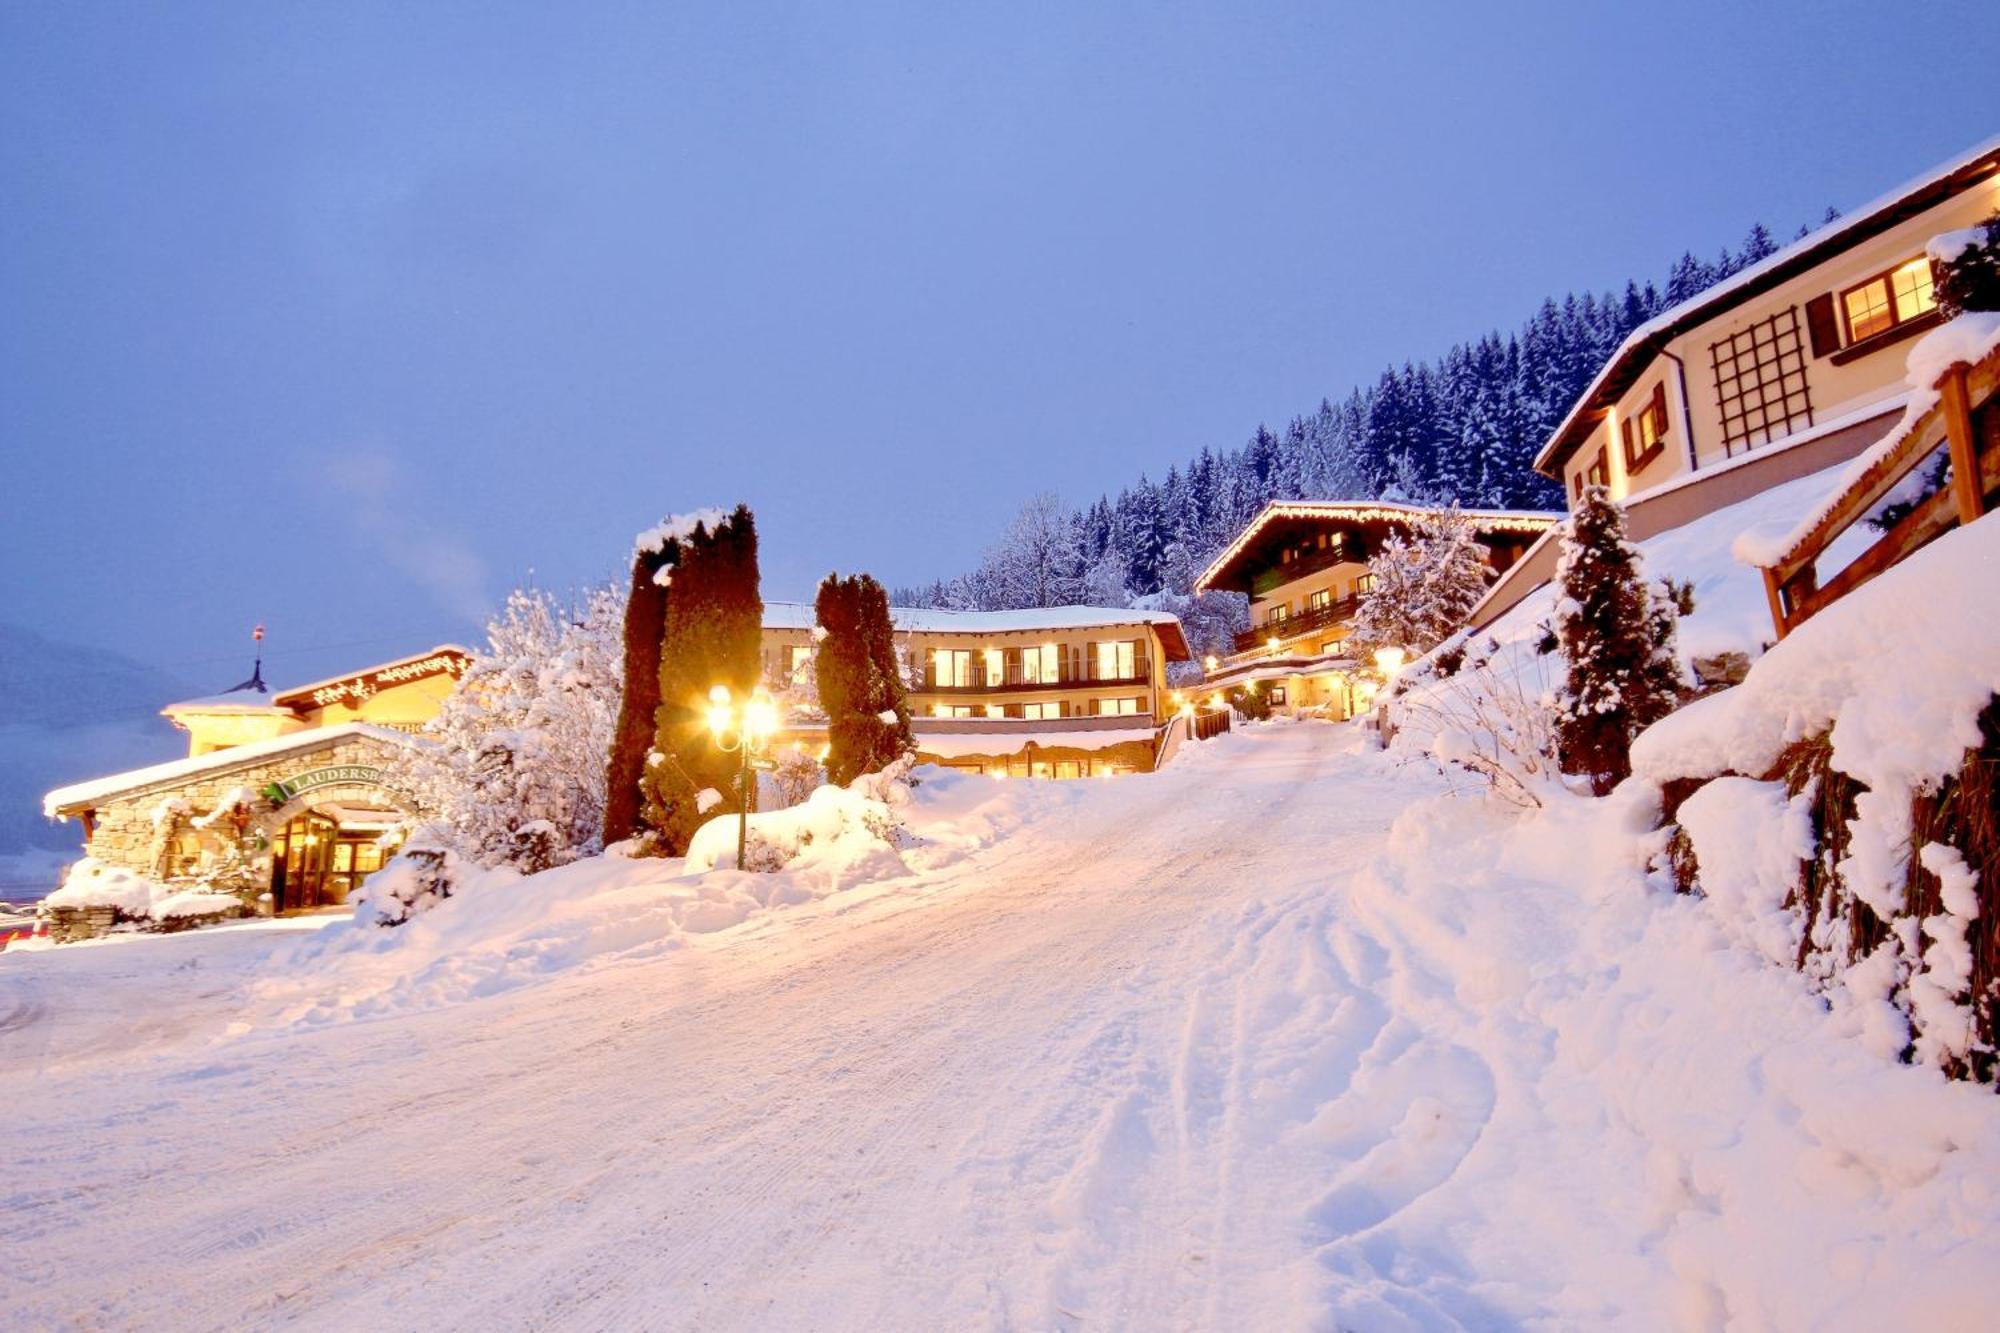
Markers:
point(860, 679)
point(1617, 636)
point(1035, 563)
point(1425, 585)
point(713, 636)
point(515, 772)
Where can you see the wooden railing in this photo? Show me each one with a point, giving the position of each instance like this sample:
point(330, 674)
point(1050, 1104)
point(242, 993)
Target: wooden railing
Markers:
point(1207, 726)
point(1966, 420)
point(1070, 674)
point(1325, 617)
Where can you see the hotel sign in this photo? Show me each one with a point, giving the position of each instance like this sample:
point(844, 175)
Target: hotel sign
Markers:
point(339, 775)
point(365, 685)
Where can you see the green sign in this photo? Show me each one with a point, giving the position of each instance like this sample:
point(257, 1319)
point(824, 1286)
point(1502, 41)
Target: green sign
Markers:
point(340, 775)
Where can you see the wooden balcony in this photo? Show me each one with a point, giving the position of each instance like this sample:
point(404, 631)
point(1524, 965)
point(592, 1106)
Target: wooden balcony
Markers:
point(1330, 616)
point(1351, 550)
point(1966, 422)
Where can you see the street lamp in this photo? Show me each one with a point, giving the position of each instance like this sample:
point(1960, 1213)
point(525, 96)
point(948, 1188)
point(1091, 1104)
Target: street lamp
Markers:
point(1389, 660)
point(744, 730)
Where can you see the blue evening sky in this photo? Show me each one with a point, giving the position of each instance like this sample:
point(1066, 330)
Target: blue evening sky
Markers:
point(346, 317)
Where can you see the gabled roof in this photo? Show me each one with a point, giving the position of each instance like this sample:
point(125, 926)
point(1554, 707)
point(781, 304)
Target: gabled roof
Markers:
point(301, 696)
point(924, 620)
point(1636, 353)
point(1528, 522)
point(83, 795)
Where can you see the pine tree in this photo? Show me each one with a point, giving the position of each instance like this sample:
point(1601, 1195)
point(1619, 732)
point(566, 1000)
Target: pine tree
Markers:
point(713, 636)
point(1617, 637)
point(860, 679)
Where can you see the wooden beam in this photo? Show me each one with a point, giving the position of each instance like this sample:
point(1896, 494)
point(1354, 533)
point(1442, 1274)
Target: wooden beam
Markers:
point(1777, 599)
point(1964, 452)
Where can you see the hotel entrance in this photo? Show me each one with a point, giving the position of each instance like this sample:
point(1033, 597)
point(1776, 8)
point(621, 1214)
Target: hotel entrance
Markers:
point(322, 855)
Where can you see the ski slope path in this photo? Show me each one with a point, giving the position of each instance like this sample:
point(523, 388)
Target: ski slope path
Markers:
point(1160, 1064)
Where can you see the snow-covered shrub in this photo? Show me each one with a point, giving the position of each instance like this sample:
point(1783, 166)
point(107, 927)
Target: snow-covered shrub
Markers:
point(846, 833)
point(1496, 725)
point(1967, 268)
point(797, 773)
point(517, 768)
point(418, 878)
point(133, 899)
point(1617, 638)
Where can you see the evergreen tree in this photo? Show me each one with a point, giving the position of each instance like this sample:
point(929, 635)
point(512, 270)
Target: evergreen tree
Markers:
point(1617, 638)
point(654, 555)
point(713, 636)
point(860, 679)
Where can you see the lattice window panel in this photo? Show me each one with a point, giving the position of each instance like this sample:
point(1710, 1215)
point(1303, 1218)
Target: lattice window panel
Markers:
point(1760, 380)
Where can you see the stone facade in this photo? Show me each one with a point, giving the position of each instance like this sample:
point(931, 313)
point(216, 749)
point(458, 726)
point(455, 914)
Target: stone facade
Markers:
point(173, 831)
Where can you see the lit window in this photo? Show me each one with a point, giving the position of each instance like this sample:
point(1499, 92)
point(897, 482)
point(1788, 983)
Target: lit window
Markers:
point(1320, 600)
point(1118, 659)
point(951, 668)
point(1117, 707)
point(1645, 429)
point(1888, 300)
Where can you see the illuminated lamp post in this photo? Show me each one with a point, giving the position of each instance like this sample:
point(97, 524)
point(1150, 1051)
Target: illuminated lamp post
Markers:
point(1389, 661)
point(747, 731)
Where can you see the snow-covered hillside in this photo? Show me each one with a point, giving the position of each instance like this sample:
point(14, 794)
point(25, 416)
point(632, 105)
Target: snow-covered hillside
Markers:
point(1281, 1037)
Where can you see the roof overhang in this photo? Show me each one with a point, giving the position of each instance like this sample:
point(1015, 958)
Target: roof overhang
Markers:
point(1233, 569)
point(73, 800)
point(443, 659)
point(1636, 354)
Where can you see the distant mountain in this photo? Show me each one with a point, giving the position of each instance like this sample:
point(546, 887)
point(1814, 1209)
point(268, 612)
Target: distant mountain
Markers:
point(69, 712)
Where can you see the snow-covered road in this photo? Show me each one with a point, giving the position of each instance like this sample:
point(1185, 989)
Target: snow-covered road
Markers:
point(1178, 1060)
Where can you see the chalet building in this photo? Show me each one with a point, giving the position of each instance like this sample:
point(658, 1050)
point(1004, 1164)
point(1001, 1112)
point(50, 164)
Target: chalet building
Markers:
point(1304, 566)
point(290, 787)
point(1060, 692)
point(1785, 369)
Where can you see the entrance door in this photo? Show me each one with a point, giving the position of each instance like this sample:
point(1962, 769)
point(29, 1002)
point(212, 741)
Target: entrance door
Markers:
point(301, 860)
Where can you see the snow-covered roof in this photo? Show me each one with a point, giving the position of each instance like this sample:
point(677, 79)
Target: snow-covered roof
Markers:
point(300, 695)
point(1872, 218)
point(1526, 521)
point(81, 794)
point(799, 616)
point(234, 701)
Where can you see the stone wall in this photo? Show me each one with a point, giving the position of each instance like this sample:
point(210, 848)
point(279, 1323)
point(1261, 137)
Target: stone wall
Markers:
point(171, 831)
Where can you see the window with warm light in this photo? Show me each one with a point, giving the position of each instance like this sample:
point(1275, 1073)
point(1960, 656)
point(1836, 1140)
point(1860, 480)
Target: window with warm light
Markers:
point(1645, 431)
point(1039, 712)
point(1320, 600)
point(951, 668)
point(1118, 707)
point(1118, 659)
point(1888, 300)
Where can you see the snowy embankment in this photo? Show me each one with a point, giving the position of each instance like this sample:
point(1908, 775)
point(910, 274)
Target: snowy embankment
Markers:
point(501, 930)
point(1280, 1037)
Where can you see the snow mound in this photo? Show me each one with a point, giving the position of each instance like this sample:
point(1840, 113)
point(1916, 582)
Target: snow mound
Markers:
point(500, 930)
point(91, 883)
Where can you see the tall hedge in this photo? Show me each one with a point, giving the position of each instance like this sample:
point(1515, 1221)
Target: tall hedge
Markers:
point(645, 623)
point(713, 636)
point(860, 681)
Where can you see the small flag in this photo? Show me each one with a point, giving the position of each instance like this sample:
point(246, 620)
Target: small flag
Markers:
point(257, 635)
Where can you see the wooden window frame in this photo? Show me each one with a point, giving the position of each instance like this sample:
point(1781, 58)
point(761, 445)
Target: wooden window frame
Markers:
point(1897, 320)
point(1639, 452)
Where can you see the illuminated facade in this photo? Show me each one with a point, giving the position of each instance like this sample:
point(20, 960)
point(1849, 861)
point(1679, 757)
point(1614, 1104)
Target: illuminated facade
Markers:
point(1304, 566)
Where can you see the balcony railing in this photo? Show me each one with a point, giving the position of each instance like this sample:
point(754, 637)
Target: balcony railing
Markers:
point(1068, 675)
point(1325, 617)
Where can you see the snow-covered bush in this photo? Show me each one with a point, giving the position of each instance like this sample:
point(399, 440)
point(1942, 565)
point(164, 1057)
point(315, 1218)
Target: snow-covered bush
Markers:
point(418, 878)
point(1967, 265)
point(1469, 716)
point(517, 768)
point(134, 899)
point(845, 833)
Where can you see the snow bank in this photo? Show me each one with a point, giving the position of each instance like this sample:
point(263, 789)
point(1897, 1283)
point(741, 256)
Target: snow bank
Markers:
point(1596, 1060)
point(91, 883)
point(1898, 670)
point(501, 930)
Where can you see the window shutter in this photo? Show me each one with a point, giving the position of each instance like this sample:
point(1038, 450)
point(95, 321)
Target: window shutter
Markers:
point(1631, 440)
point(1658, 408)
point(1823, 325)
